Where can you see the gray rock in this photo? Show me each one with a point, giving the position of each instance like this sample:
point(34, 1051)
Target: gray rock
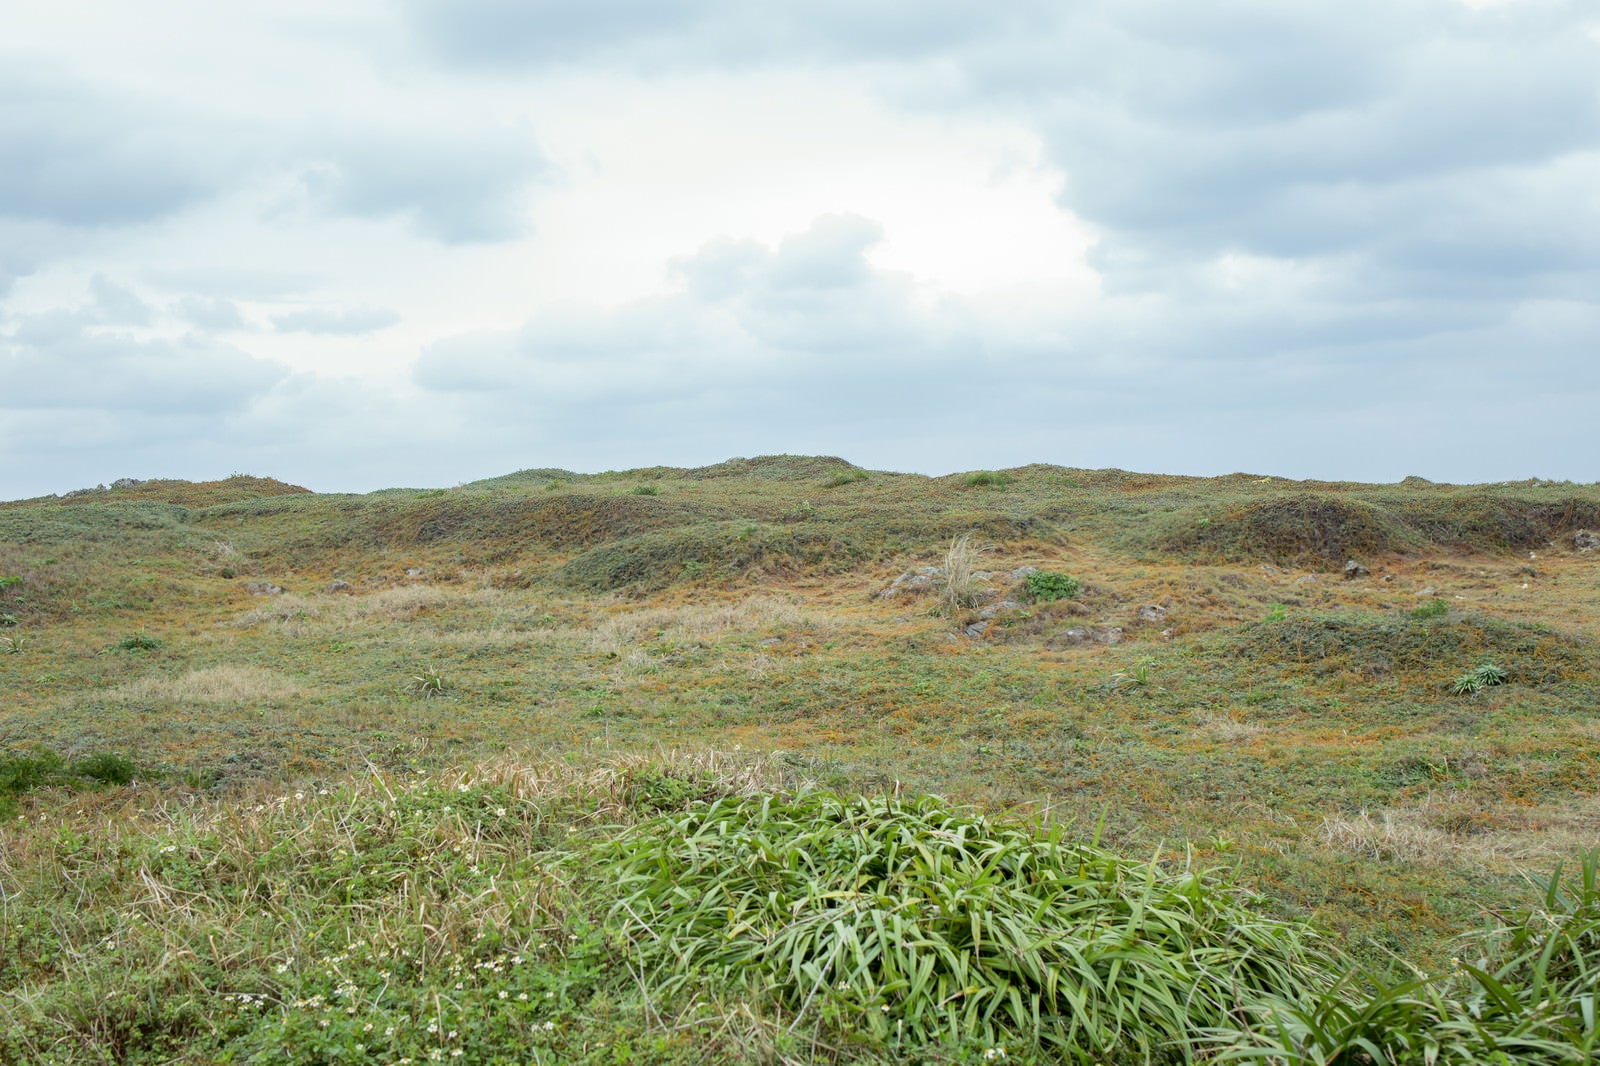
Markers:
point(977, 629)
point(1152, 613)
point(995, 608)
point(1308, 579)
point(339, 585)
point(911, 583)
point(413, 571)
point(1021, 573)
point(1353, 569)
point(262, 588)
point(1092, 635)
point(1585, 541)
point(770, 641)
point(1268, 568)
point(1428, 591)
point(126, 482)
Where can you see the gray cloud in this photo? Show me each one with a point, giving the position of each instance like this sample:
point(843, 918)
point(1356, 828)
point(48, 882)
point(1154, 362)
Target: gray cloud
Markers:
point(806, 343)
point(460, 186)
point(59, 360)
point(677, 34)
point(1411, 150)
point(345, 321)
point(116, 304)
point(210, 313)
point(77, 156)
point(83, 157)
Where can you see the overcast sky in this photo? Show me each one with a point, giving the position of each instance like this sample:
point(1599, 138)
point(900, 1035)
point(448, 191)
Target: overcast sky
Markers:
point(416, 242)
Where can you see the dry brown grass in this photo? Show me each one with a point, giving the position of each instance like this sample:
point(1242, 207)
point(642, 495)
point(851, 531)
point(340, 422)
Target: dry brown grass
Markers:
point(620, 632)
point(1227, 727)
point(216, 684)
point(1442, 828)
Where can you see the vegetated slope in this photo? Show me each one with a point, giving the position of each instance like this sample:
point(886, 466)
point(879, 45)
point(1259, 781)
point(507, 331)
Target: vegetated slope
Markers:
point(1433, 647)
point(1303, 730)
point(1327, 528)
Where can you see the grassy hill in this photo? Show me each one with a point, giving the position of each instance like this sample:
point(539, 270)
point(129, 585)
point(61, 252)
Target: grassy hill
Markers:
point(289, 776)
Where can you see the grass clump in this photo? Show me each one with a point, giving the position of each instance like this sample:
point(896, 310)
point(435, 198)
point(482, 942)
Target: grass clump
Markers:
point(1046, 586)
point(1528, 996)
point(1483, 676)
point(428, 684)
point(958, 586)
point(911, 924)
point(42, 768)
point(987, 479)
point(1431, 609)
point(139, 642)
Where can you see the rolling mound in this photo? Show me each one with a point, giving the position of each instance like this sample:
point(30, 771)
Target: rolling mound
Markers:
point(1442, 647)
point(1300, 530)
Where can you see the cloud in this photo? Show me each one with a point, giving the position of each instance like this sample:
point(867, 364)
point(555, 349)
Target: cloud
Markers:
point(805, 342)
point(674, 34)
point(210, 313)
point(344, 321)
point(60, 360)
point(116, 304)
point(80, 157)
point(459, 185)
point(747, 316)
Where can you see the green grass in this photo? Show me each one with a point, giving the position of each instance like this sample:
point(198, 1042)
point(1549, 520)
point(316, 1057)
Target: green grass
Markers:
point(1285, 740)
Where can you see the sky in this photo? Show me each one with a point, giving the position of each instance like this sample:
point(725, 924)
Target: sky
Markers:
point(356, 244)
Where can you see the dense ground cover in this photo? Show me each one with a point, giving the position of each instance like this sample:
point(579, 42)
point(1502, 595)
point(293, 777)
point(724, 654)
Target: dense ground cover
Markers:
point(285, 689)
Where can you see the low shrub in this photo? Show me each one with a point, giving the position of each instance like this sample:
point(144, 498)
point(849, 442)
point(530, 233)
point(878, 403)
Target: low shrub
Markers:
point(1045, 586)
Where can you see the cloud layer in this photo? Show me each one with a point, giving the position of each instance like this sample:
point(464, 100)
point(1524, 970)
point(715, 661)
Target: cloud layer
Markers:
point(1355, 240)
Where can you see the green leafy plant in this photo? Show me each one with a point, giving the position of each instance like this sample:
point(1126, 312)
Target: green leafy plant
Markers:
point(1137, 677)
point(106, 768)
point(646, 490)
point(1046, 586)
point(14, 645)
point(1527, 995)
point(1276, 613)
point(429, 683)
point(139, 642)
point(8, 580)
point(918, 924)
point(8, 620)
point(1479, 677)
point(1431, 609)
